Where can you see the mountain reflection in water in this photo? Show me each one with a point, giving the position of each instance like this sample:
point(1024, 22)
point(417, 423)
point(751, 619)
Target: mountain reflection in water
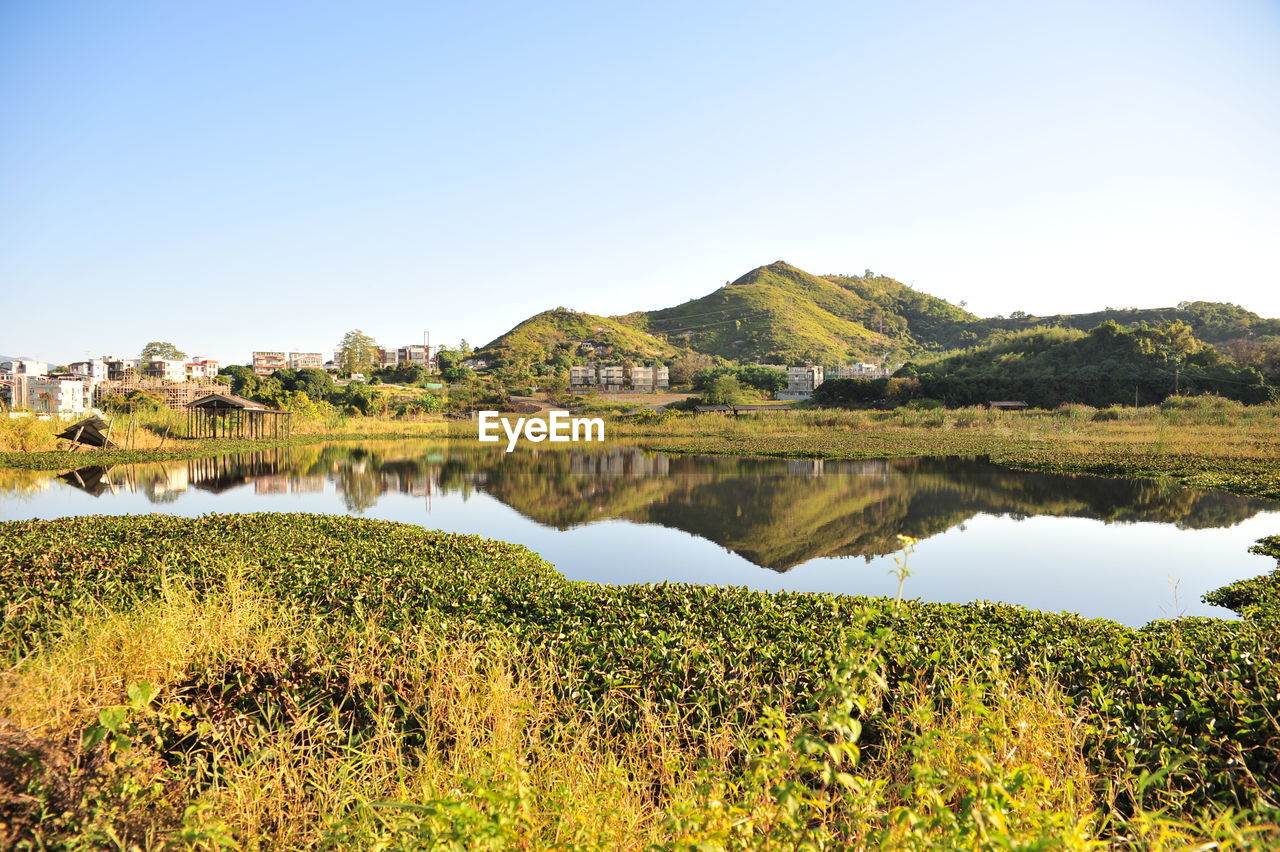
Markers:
point(775, 513)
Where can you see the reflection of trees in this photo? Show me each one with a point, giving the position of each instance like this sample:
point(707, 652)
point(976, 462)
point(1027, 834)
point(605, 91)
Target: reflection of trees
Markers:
point(776, 513)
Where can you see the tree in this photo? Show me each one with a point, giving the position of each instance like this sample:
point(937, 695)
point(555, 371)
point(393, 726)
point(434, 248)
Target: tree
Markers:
point(685, 366)
point(724, 390)
point(357, 353)
point(163, 349)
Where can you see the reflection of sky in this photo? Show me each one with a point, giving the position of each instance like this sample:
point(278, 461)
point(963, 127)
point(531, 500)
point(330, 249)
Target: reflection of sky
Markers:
point(1121, 571)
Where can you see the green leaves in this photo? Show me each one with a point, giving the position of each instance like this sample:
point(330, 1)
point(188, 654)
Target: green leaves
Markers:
point(1192, 703)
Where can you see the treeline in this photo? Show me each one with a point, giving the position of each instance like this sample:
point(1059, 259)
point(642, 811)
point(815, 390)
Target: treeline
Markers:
point(1046, 367)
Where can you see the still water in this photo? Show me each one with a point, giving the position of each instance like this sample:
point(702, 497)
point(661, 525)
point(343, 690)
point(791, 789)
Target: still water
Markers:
point(1129, 550)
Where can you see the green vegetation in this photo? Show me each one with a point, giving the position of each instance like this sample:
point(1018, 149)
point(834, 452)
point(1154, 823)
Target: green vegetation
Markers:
point(1199, 442)
point(1109, 365)
point(553, 340)
point(294, 681)
point(357, 353)
point(163, 349)
point(28, 443)
point(778, 314)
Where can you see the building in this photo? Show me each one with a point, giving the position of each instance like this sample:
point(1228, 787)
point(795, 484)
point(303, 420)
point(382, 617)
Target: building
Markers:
point(801, 381)
point(417, 356)
point(165, 369)
point(618, 379)
point(583, 377)
point(24, 367)
point(94, 369)
point(387, 358)
point(266, 363)
point(45, 395)
point(613, 379)
point(118, 369)
point(642, 378)
point(201, 369)
point(862, 371)
point(306, 361)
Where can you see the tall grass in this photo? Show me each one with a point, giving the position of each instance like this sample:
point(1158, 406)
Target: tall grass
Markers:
point(215, 722)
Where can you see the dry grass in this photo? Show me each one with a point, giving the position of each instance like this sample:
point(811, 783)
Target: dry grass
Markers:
point(305, 734)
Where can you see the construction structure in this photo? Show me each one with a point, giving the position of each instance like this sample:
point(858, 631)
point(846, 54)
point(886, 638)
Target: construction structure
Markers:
point(224, 415)
point(173, 394)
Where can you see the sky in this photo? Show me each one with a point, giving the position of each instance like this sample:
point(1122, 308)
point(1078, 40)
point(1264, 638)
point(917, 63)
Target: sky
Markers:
point(237, 175)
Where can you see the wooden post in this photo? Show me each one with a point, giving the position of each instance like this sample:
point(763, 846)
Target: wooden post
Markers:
point(76, 439)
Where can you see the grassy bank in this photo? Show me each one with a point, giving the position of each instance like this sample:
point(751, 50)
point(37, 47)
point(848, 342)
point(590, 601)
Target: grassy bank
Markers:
point(1210, 444)
point(292, 681)
point(30, 444)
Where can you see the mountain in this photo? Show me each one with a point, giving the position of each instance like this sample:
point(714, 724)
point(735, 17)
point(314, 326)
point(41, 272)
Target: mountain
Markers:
point(567, 337)
point(778, 314)
point(1110, 364)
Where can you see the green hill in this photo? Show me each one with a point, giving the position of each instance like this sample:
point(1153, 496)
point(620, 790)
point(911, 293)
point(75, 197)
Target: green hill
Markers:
point(1111, 364)
point(1212, 322)
point(564, 337)
point(783, 315)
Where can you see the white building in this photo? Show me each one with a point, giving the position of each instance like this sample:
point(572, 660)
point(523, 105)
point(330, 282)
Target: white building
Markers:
point(583, 377)
point(801, 381)
point(612, 378)
point(862, 371)
point(266, 363)
point(166, 369)
point(24, 367)
point(45, 395)
point(201, 369)
point(306, 361)
point(94, 369)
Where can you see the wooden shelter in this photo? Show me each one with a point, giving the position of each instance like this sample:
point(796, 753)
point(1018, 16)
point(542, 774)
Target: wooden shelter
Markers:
point(90, 432)
point(1007, 404)
point(224, 415)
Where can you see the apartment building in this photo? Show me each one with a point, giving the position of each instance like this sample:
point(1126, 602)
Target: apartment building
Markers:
point(201, 369)
point(862, 371)
point(119, 368)
point(619, 379)
point(306, 361)
point(165, 369)
point(24, 367)
point(266, 363)
point(95, 369)
point(418, 356)
point(613, 379)
point(801, 381)
point(51, 395)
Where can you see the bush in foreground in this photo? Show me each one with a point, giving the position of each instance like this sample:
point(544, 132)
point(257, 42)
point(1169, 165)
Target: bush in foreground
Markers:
point(308, 681)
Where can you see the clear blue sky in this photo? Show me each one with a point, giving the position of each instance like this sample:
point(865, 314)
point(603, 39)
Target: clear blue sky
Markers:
point(240, 175)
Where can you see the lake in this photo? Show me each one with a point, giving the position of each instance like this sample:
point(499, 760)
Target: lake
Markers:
point(1125, 549)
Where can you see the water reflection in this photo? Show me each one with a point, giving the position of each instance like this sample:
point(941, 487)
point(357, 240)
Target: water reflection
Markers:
point(775, 513)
